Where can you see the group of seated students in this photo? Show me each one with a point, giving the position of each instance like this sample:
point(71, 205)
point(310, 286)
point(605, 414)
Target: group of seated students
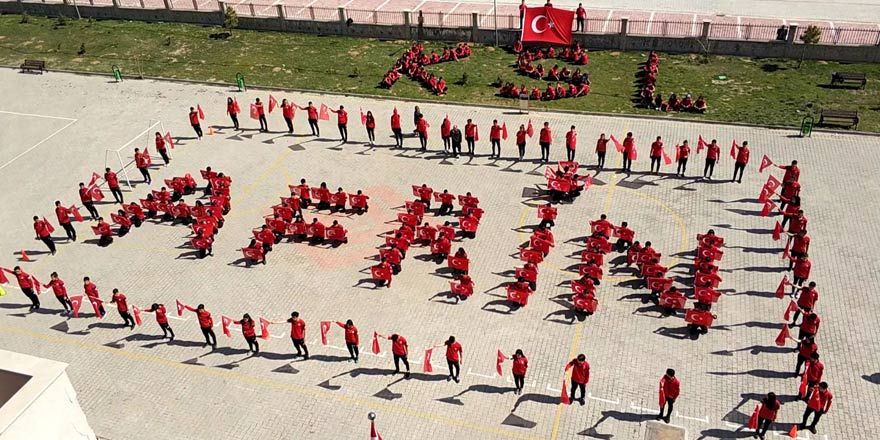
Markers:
point(653, 99)
point(287, 219)
point(648, 78)
point(414, 60)
point(574, 54)
point(564, 183)
point(438, 238)
point(590, 270)
point(559, 91)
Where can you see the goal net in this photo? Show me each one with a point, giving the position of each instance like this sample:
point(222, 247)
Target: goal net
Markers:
point(145, 140)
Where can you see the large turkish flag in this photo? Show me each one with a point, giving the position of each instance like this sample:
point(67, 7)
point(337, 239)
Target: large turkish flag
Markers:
point(547, 25)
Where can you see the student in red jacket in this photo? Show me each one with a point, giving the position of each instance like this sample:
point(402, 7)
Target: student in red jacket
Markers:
point(287, 114)
point(806, 300)
point(400, 350)
point(656, 153)
point(91, 291)
point(629, 146)
point(601, 148)
point(248, 329)
point(232, 111)
point(342, 122)
point(581, 15)
point(810, 324)
point(162, 320)
point(395, 128)
point(805, 348)
point(122, 307)
point(682, 152)
point(519, 368)
point(206, 323)
point(671, 388)
point(767, 414)
point(161, 148)
point(819, 403)
point(105, 234)
point(194, 121)
point(545, 138)
point(351, 339)
point(422, 132)
point(470, 135)
point(713, 151)
point(26, 284)
point(313, 118)
point(113, 183)
point(495, 139)
point(85, 197)
point(792, 172)
point(453, 358)
point(446, 133)
point(814, 370)
point(370, 123)
point(63, 215)
point(801, 269)
point(570, 143)
point(298, 335)
point(742, 158)
point(142, 162)
point(41, 229)
point(580, 376)
point(261, 115)
point(521, 141)
point(60, 292)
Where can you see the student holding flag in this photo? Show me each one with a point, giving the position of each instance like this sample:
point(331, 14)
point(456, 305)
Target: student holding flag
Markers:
point(194, 117)
point(580, 376)
point(233, 110)
point(162, 320)
point(122, 306)
point(313, 118)
point(43, 230)
point(26, 283)
point(601, 148)
point(519, 368)
point(351, 339)
point(570, 143)
point(259, 111)
point(342, 122)
point(741, 158)
point(470, 135)
point(713, 152)
point(287, 111)
point(681, 156)
point(495, 138)
point(521, 141)
point(162, 143)
point(453, 358)
point(629, 152)
point(370, 124)
point(206, 324)
point(248, 329)
point(63, 215)
point(656, 154)
point(60, 292)
point(670, 388)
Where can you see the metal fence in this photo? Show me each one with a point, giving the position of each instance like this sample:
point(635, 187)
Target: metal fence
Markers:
point(724, 29)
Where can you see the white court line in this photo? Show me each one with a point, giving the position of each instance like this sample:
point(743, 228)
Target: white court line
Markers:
point(549, 388)
point(607, 20)
point(176, 318)
point(704, 419)
point(305, 7)
point(732, 425)
point(471, 373)
point(646, 410)
point(739, 32)
point(38, 116)
point(379, 8)
point(613, 402)
point(694, 26)
point(419, 6)
point(650, 23)
point(38, 143)
point(533, 384)
point(346, 3)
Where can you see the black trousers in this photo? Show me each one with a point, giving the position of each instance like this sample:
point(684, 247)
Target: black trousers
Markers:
point(627, 162)
point(600, 157)
point(655, 161)
point(763, 426)
point(456, 148)
point(397, 360)
point(210, 337)
point(398, 136)
point(807, 413)
point(669, 404)
point(545, 151)
point(90, 206)
point(65, 302)
point(117, 195)
point(253, 345)
point(545, 223)
point(127, 319)
point(496, 143)
point(569, 154)
point(264, 125)
point(519, 381)
point(234, 118)
point(35, 300)
point(580, 25)
point(423, 140)
point(709, 168)
point(447, 142)
point(371, 134)
point(353, 351)
point(164, 154)
point(738, 168)
point(198, 130)
point(682, 166)
point(800, 361)
point(105, 240)
point(300, 346)
point(454, 368)
point(289, 122)
point(444, 210)
point(166, 329)
point(47, 240)
point(578, 386)
point(146, 173)
point(522, 150)
point(313, 124)
point(470, 145)
point(343, 132)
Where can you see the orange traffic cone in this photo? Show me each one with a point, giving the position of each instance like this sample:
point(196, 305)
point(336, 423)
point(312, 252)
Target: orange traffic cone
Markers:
point(793, 432)
point(210, 131)
point(24, 256)
point(563, 397)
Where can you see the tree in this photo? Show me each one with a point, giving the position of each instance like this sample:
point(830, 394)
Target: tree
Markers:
point(230, 18)
point(811, 35)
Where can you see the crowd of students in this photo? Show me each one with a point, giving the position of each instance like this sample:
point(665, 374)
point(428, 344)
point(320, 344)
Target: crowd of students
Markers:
point(414, 61)
point(578, 83)
point(651, 98)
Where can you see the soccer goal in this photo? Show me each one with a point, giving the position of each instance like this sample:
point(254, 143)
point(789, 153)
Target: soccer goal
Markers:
point(144, 141)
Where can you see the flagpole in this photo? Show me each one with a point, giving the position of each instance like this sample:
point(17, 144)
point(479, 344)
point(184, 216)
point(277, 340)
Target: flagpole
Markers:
point(495, 14)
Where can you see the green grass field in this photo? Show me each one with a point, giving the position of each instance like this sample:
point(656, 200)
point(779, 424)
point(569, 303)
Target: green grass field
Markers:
point(761, 91)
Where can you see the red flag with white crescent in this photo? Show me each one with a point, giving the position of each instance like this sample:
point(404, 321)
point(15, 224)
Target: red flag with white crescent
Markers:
point(530, 130)
point(733, 147)
point(225, 321)
point(426, 366)
point(168, 139)
point(75, 303)
point(137, 314)
point(324, 112)
point(376, 347)
point(76, 214)
point(504, 131)
point(617, 145)
point(374, 435)
point(325, 328)
point(547, 24)
point(701, 144)
point(180, 307)
point(272, 103)
point(201, 112)
point(499, 359)
point(765, 163)
point(264, 328)
point(96, 306)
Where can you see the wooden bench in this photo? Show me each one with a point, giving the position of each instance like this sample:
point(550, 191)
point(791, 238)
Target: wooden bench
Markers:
point(841, 78)
point(847, 118)
point(33, 66)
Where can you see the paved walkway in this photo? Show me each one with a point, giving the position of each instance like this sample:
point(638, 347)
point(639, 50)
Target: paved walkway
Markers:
point(132, 385)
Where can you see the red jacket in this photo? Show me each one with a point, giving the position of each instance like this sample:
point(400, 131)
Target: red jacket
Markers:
point(714, 151)
point(399, 347)
point(297, 328)
point(768, 411)
point(63, 215)
point(84, 195)
point(571, 139)
point(742, 156)
point(140, 161)
point(808, 298)
point(194, 117)
point(814, 370)
point(453, 352)
point(801, 244)
point(805, 350)
point(470, 131)
point(581, 12)
point(823, 402)
point(287, 110)
point(395, 121)
point(495, 133)
point(671, 386)
point(684, 151)
point(260, 109)
point(580, 371)
point(161, 317)
point(811, 323)
point(121, 302)
point(628, 144)
point(112, 180)
point(422, 126)
point(341, 117)
point(41, 228)
point(247, 328)
point(351, 333)
point(57, 287)
point(546, 136)
point(25, 281)
point(802, 268)
point(91, 290)
point(792, 174)
point(601, 145)
point(205, 320)
point(656, 149)
point(520, 366)
point(445, 128)
point(230, 108)
point(313, 113)
point(521, 137)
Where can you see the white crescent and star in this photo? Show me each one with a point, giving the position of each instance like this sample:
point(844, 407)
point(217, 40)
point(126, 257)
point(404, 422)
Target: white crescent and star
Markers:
point(535, 24)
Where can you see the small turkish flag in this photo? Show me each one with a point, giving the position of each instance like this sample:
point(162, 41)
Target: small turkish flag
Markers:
point(733, 148)
point(49, 225)
point(504, 131)
point(765, 195)
point(37, 284)
point(666, 159)
point(426, 366)
point(802, 390)
point(168, 139)
point(476, 133)
point(780, 291)
point(272, 103)
point(635, 153)
point(772, 184)
point(786, 255)
point(376, 347)
point(701, 144)
point(765, 163)
point(363, 117)
point(530, 130)
point(76, 215)
point(499, 359)
point(324, 113)
point(201, 112)
point(75, 303)
point(374, 435)
point(264, 328)
point(563, 397)
point(783, 335)
point(792, 306)
point(325, 328)
point(617, 145)
point(777, 231)
point(547, 24)
point(24, 256)
point(768, 207)
point(180, 307)
point(3, 279)
point(662, 396)
point(235, 106)
point(225, 321)
point(753, 420)
point(96, 306)
point(255, 114)
point(137, 314)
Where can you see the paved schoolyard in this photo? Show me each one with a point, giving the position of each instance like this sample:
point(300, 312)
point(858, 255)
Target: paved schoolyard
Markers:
point(134, 386)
